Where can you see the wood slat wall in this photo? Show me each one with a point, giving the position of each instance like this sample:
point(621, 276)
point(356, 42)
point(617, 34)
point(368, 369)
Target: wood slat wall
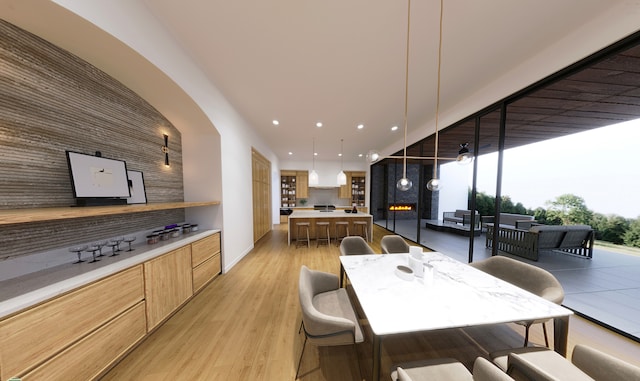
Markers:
point(52, 101)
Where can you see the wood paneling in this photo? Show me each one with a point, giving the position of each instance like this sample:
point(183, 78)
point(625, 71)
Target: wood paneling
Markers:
point(261, 183)
point(52, 101)
point(603, 94)
point(40, 332)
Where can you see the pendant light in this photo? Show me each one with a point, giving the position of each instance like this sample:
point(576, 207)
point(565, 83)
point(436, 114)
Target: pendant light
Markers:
point(313, 176)
point(342, 177)
point(464, 156)
point(404, 184)
point(434, 184)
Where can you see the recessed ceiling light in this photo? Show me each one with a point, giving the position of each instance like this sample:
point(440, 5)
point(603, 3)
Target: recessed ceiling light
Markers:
point(315, 154)
point(360, 126)
point(290, 153)
point(275, 122)
point(339, 154)
point(360, 155)
point(394, 128)
point(319, 124)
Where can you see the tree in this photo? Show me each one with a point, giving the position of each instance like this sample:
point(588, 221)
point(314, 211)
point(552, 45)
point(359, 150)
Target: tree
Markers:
point(611, 228)
point(632, 236)
point(569, 209)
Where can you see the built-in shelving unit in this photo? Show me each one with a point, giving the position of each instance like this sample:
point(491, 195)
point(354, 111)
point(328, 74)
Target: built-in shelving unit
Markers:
point(21, 216)
point(357, 189)
point(288, 189)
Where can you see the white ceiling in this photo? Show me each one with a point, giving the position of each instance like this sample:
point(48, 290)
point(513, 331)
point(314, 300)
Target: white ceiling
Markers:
point(342, 62)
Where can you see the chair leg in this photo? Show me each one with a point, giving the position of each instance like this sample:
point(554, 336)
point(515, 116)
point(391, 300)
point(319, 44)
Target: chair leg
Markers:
point(355, 349)
point(546, 338)
point(526, 335)
point(301, 354)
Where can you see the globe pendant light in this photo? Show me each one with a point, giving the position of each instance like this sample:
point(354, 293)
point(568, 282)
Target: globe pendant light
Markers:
point(434, 184)
point(404, 184)
point(342, 177)
point(313, 176)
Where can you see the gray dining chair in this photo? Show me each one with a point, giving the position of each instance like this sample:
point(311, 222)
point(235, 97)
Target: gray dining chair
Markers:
point(529, 277)
point(449, 370)
point(586, 363)
point(353, 245)
point(328, 317)
point(391, 244)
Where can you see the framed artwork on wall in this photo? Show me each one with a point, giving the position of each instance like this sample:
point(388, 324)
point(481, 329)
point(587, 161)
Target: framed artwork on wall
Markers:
point(136, 187)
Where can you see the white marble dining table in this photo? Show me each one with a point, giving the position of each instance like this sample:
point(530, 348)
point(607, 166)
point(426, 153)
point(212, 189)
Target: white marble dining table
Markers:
point(451, 294)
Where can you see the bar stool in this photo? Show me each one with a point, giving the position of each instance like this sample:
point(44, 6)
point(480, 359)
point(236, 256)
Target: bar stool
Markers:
point(345, 229)
point(319, 227)
point(305, 226)
point(362, 229)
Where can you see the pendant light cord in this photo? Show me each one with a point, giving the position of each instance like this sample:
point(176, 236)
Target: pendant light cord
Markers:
point(435, 162)
point(406, 91)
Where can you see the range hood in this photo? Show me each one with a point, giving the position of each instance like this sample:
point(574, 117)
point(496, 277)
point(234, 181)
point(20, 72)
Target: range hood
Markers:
point(320, 186)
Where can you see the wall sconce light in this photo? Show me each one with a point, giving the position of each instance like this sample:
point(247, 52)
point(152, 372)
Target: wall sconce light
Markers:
point(165, 149)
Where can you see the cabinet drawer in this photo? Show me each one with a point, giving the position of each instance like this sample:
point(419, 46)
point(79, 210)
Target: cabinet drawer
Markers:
point(92, 355)
point(206, 271)
point(203, 249)
point(31, 337)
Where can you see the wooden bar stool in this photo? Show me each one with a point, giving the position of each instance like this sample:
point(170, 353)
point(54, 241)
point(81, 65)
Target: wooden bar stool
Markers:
point(344, 227)
point(319, 227)
point(362, 229)
point(300, 226)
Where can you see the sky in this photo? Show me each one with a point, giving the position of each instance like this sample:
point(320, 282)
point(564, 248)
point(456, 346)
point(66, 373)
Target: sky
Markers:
point(601, 165)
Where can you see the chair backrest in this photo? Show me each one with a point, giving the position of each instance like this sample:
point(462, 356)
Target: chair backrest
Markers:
point(393, 244)
point(601, 366)
point(484, 370)
point(355, 245)
point(320, 327)
point(529, 277)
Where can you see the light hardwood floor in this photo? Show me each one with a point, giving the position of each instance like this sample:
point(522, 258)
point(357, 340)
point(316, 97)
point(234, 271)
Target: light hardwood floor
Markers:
point(244, 326)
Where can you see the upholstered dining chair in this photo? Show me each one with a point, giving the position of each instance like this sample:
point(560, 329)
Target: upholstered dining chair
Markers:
point(542, 364)
point(529, 277)
point(353, 245)
point(391, 244)
point(328, 317)
point(449, 370)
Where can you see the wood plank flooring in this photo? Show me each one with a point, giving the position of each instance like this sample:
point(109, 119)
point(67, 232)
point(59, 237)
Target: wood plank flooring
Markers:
point(244, 326)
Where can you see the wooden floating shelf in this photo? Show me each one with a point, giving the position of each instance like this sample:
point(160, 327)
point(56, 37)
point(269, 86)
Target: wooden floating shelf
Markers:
point(20, 216)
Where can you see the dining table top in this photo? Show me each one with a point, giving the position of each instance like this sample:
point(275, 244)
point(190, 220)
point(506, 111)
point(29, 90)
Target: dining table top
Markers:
point(450, 294)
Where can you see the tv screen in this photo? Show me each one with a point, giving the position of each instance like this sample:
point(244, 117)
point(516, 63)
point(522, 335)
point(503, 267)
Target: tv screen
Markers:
point(97, 177)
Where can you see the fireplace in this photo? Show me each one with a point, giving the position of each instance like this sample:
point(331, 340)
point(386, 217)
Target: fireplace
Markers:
point(402, 207)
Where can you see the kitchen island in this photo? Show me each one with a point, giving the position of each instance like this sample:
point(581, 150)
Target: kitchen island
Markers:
point(331, 216)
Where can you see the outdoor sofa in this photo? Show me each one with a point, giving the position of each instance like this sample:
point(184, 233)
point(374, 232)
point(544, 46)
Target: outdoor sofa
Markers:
point(513, 220)
point(527, 243)
point(460, 216)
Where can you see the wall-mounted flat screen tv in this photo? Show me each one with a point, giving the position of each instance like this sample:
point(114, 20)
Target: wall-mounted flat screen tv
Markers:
point(98, 178)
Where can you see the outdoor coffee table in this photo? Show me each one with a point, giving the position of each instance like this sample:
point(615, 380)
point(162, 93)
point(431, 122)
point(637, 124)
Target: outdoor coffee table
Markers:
point(455, 295)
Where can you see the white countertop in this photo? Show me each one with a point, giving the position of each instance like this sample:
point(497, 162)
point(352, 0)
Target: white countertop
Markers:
point(27, 290)
point(456, 295)
point(330, 214)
